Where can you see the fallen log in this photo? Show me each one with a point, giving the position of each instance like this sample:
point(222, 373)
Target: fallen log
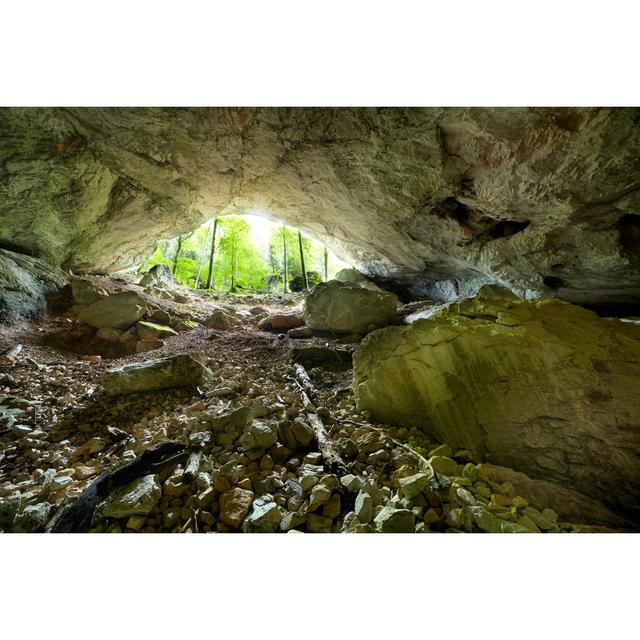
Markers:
point(77, 516)
point(332, 459)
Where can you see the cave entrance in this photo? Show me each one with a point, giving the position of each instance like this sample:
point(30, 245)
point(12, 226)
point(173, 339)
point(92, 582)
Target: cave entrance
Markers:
point(249, 252)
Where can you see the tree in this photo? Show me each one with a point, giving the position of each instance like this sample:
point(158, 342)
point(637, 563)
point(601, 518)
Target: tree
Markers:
point(181, 240)
point(211, 255)
point(302, 267)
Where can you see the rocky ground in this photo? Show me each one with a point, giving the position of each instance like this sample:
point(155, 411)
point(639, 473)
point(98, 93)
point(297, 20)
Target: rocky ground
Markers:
point(257, 433)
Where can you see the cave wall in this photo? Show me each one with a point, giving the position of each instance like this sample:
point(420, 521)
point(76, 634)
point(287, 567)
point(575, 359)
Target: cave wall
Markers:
point(435, 200)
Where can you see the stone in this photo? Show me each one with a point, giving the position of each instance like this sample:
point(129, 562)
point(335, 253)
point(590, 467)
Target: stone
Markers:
point(551, 392)
point(319, 495)
point(259, 435)
point(442, 450)
point(303, 432)
point(25, 283)
point(338, 307)
point(364, 507)
point(318, 524)
point(158, 275)
point(32, 518)
point(280, 322)
point(152, 331)
point(431, 516)
point(391, 520)
point(109, 334)
point(234, 506)
point(135, 523)
point(181, 370)
point(118, 311)
point(265, 516)
point(8, 508)
point(352, 483)
point(86, 292)
point(485, 520)
point(445, 466)
point(413, 485)
point(332, 507)
point(138, 497)
point(160, 316)
point(454, 518)
point(292, 520)
point(458, 201)
point(219, 319)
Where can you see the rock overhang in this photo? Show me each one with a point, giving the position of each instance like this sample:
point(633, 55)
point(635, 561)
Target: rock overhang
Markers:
point(433, 201)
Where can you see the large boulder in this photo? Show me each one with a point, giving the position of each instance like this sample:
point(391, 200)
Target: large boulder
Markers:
point(541, 386)
point(84, 291)
point(158, 276)
point(297, 282)
point(340, 307)
point(118, 311)
point(25, 283)
point(182, 370)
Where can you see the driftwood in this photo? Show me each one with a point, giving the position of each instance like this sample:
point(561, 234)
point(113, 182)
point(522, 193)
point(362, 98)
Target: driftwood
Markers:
point(332, 459)
point(77, 517)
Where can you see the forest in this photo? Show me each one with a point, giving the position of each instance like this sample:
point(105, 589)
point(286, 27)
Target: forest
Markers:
point(236, 253)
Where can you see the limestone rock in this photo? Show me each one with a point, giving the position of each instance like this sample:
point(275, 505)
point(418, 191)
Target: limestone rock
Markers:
point(543, 386)
point(259, 435)
point(219, 319)
point(392, 520)
point(108, 334)
point(86, 292)
point(153, 331)
point(181, 370)
point(25, 283)
point(437, 199)
point(234, 506)
point(158, 276)
point(343, 308)
point(136, 498)
point(32, 518)
point(119, 311)
point(280, 322)
point(265, 516)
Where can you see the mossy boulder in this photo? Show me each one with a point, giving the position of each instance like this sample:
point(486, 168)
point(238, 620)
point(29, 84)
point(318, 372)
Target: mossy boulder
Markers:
point(119, 311)
point(181, 370)
point(340, 307)
point(297, 282)
point(542, 386)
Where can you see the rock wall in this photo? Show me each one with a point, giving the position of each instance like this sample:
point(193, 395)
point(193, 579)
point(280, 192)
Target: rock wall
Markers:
point(25, 283)
point(545, 387)
point(438, 201)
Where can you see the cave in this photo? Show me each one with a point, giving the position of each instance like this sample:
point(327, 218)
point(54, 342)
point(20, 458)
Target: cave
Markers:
point(471, 362)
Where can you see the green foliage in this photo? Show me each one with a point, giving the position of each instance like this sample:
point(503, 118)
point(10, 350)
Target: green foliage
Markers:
point(238, 262)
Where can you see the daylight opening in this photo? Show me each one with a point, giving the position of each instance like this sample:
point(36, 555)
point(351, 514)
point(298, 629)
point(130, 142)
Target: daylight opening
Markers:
point(246, 253)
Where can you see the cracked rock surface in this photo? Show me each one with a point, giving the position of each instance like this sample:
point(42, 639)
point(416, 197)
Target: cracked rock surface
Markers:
point(435, 201)
point(542, 386)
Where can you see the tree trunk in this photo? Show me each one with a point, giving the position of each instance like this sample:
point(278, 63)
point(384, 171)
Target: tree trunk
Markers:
point(326, 264)
point(175, 261)
point(284, 259)
point(304, 270)
point(211, 255)
point(233, 262)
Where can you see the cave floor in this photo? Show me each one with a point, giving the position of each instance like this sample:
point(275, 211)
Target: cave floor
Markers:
point(60, 431)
